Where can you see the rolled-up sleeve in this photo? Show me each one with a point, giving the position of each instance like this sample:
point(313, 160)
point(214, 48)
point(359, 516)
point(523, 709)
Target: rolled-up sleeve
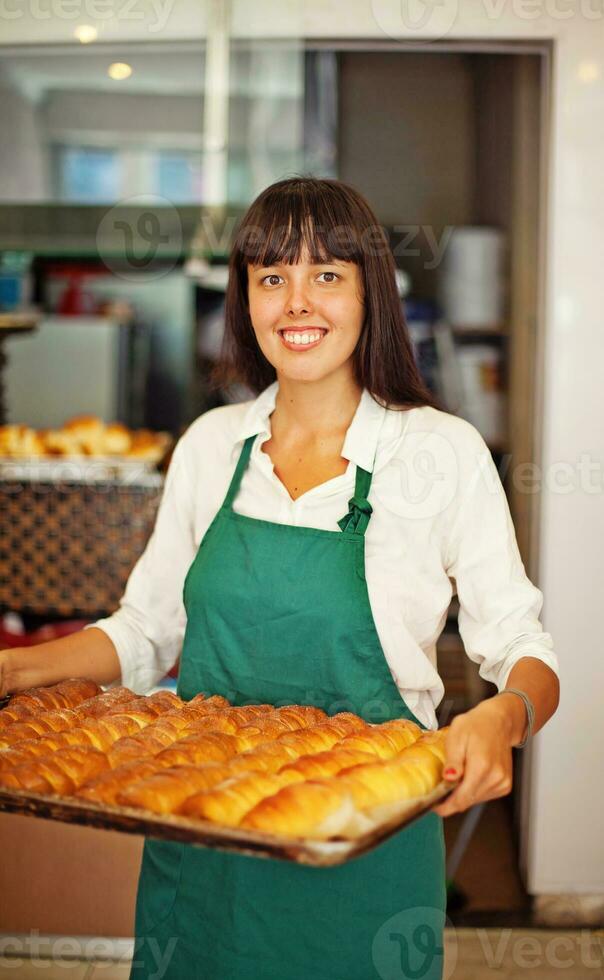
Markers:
point(147, 629)
point(499, 607)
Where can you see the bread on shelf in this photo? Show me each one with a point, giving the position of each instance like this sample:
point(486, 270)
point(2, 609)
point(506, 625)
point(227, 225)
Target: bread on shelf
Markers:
point(84, 435)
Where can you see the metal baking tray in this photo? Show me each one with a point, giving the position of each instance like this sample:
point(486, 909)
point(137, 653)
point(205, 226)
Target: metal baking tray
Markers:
point(320, 853)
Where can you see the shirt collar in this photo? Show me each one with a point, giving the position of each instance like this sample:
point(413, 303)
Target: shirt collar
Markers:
point(362, 435)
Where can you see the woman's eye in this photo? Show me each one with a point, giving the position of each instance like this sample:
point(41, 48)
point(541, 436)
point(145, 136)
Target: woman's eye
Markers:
point(273, 275)
point(334, 274)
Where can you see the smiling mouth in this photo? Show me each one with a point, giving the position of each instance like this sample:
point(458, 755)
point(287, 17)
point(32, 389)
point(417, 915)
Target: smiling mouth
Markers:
point(302, 339)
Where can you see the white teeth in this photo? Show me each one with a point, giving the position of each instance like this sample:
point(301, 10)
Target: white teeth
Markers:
point(305, 338)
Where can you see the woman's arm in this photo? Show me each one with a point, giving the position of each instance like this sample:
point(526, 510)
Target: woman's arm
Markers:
point(499, 623)
point(87, 653)
point(480, 741)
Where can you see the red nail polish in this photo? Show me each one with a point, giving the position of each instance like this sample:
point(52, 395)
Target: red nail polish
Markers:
point(450, 772)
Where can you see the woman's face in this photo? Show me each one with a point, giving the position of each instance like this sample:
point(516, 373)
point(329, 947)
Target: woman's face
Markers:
point(307, 318)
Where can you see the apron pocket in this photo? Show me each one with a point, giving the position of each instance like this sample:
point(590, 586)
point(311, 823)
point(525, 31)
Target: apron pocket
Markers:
point(158, 883)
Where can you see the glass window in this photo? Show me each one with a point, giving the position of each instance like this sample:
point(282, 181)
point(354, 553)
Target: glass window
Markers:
point(88, 175)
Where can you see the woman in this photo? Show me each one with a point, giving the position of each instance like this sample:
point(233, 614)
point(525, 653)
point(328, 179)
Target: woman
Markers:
point(317, 571)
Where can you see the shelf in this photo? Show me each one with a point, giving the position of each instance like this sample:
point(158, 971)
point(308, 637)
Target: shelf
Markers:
point(19, 320)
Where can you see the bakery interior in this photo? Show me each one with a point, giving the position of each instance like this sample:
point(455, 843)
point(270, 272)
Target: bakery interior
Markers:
point(130, 147)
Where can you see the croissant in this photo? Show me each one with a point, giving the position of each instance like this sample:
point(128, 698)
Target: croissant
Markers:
point(165, 701)
point(105, 787)
point(214, 721)
point(347, 722)
point(413, 773)
point(301, 715)
point(213, 703)
point(249, 737)
point(52, 721)
point(434, 741)
point(196, 749)
point(230, 801)
point(401, 731)
point(381, 744)
point(141, 746)
point(271, 725)
point(309, 740)
point(165, 791)
point(325, 764)
point(309, 809)
point(99, 705)
point(59, 773)
point(66, 694)
point(266, 757)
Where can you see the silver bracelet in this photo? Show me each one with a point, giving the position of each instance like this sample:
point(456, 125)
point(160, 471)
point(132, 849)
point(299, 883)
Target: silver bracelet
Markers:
point(530, 713)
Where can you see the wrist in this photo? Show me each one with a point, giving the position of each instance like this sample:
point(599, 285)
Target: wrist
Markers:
point(20, 669)
point(514, 714)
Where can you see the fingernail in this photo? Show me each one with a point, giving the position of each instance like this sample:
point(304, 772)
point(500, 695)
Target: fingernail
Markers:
point(450, 772)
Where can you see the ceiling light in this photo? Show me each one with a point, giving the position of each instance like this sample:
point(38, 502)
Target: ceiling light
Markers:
point(119, 70)
point(85, 33)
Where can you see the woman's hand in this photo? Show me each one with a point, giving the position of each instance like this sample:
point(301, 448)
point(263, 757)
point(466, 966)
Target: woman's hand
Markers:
point(479, 752)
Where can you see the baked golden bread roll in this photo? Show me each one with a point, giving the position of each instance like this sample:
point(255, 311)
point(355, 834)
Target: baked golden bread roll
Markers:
point(347, 722)
point(66, 694)
point(84, 435)
point(165, 791)
point(102, 704)
point(266, 757)
point(59, 773)
point(322, 765)
point(228, 803)
point(197, 749)
point(384, 745)
point(301, 715)
point(51, 721)
point(435, 742)
point(213, 702)
point(115, 439)
point(140, 746)
point(415, 772)
point(310, 740)
point(105, 787)
point(249, 737)
point(318, 809)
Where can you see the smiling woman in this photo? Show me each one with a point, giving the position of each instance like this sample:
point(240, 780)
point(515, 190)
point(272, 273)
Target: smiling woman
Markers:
point(310, 255)
point(322, 580)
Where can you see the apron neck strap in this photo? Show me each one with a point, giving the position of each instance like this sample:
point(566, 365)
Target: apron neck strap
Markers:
point(359, 508)
point(239, 471)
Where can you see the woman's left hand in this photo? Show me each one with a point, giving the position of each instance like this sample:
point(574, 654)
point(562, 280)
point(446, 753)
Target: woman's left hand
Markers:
point(479, 753)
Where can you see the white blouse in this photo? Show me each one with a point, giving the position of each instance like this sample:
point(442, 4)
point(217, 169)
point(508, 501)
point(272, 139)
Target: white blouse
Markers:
point(440, 524)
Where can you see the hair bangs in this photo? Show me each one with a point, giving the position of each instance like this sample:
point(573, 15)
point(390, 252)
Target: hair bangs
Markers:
point(282, 227)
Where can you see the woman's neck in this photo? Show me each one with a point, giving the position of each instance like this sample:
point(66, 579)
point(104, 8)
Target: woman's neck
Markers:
point(314, 410)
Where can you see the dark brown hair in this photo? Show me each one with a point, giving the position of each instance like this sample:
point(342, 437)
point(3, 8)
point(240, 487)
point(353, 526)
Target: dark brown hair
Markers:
point(333, 221)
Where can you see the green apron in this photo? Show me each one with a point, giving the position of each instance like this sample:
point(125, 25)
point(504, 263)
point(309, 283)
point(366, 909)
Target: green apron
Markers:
point(281, 614)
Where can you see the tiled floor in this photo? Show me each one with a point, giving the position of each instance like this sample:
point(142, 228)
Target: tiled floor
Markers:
point(472, 954)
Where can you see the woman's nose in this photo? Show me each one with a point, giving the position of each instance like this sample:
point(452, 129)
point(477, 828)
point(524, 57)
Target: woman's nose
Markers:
point(298, 299)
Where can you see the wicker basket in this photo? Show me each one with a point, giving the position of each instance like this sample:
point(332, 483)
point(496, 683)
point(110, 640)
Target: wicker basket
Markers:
point(67, 549)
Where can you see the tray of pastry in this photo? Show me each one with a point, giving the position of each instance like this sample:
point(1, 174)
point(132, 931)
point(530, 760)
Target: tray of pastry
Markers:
point(285, 782)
